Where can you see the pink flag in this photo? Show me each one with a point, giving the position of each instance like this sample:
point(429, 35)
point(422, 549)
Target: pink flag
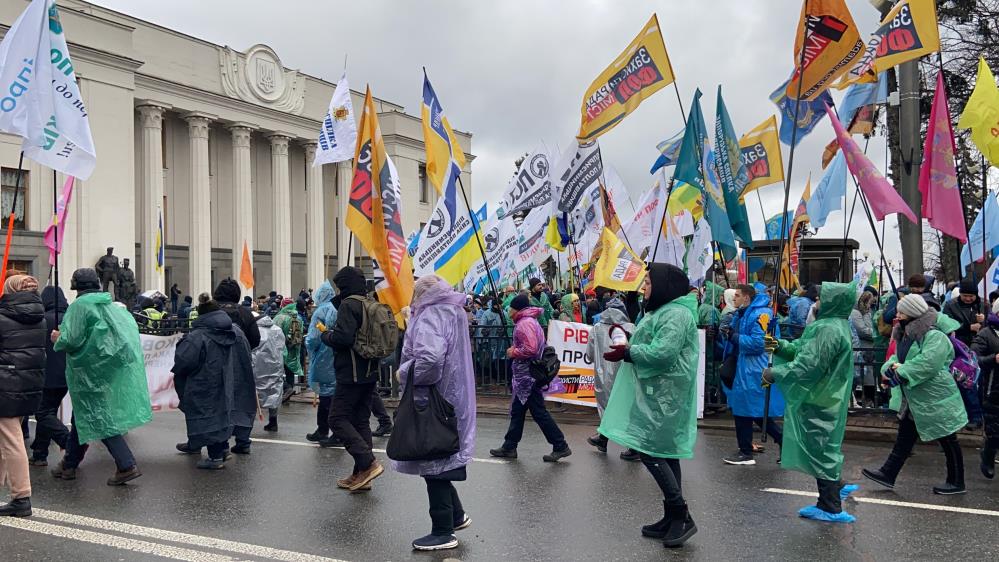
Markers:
point(880, 194)
point(938, 177)
point(59, 220)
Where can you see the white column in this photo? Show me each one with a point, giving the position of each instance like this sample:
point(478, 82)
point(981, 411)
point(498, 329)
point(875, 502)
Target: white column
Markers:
point(200, 248)
point(281, 206)
point(315, 220)
point(242, 197)
point(151, 121)
point(344, 175)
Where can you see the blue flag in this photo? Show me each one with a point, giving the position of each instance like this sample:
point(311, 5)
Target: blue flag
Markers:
point(809, 113)
point(861, 94)
point(669, 150)
point(830, 193)
point(774, 225)
point(973, 249)
point(734, 175)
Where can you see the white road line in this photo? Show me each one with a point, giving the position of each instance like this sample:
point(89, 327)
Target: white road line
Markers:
point(895, 503)
point(185, 538)
point(313, 445)
point(113, 541)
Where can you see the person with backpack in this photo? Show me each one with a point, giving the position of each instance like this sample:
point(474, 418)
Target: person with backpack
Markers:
point(931, 407)
point(322, 375)
point(528, 345)
point(294, 336)
point(614, 319)
point(986, 346)
point(967, 309)
point(365, 333)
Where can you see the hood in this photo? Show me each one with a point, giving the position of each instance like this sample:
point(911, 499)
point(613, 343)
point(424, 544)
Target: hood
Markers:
point(837, 299)
point(85, 279)
point(688, 301)
point(669, 282)
point(54, 299)
point(761, 300)
point(729, 299)
point(812, 292)
point(350, 281)
point(24, 307)
point(218, 325)
point(613, 316)
point(713, 292)
point(290, 309)
point(265, 321)
point(440, 293)
point(567, 300)
point(324, 293)
point(529, 312)
point(946, 324)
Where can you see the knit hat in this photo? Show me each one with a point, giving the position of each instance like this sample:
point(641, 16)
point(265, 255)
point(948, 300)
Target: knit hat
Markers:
point(285, 302)
point(20, 283)
point(968, 287)
point(206, 304)
point(227, 291)
point(520, 302)
point(533, 282)
point(913, 306)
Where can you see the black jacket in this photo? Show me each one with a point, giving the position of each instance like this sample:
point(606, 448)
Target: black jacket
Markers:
point(22, 353)
point(986, 346)
point(55, 361)
point(243, 317)
point(350, 367)
point(965, 314)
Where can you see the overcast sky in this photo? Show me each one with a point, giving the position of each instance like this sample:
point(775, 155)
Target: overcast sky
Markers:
point(514, 72)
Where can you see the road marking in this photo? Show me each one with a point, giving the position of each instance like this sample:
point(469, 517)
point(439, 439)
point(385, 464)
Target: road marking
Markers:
point(894, 503)
point(314, 445)
point(184, 538)
point(144, 547)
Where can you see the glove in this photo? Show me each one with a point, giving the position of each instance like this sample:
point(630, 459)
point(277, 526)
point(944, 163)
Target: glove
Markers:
point(891, 375)
point(616, 353)
point(767, 379)
point(770, 343)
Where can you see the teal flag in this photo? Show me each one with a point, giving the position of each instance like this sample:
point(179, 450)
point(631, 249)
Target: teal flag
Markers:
point(732, 172)
point(696, 165)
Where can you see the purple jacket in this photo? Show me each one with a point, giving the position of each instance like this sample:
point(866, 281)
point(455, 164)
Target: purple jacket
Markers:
point(528, 341)
point(437, 347)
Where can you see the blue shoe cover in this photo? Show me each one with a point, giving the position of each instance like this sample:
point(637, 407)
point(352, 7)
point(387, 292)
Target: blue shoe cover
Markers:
point(812, 512)
point(846, 490)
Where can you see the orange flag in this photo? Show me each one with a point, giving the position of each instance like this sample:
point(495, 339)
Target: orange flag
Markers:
point(246, 268)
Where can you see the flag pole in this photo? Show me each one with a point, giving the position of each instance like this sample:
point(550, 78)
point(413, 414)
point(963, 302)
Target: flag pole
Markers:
point(478, 241)
point(10, 221)
point(985, 193)
point(672, 181)
point(55, 229)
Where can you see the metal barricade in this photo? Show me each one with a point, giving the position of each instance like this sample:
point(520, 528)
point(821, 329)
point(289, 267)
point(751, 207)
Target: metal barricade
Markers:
point(489, 360)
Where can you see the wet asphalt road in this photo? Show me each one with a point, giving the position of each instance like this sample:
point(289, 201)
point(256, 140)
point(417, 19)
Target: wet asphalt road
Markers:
point(280, 503)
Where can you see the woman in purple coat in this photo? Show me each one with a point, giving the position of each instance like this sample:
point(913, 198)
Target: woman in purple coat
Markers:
point(437, 351)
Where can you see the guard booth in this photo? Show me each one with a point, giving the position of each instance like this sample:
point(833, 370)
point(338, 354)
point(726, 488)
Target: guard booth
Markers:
point(819, 259)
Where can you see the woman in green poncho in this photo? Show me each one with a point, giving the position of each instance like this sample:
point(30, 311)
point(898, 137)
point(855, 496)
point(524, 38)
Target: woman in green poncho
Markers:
point(653, 404)
point(816, 383)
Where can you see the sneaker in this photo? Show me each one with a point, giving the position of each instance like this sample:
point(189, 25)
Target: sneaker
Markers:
point(122, 476)
point(740, 458)
point(382, 431)
point(949, 489)
point(598, 441)
point(211, 464)
point(330, 442)
point(367, 475)
point(239, 450)
point(554, 456)
point(21, 507)
point(38, 462)
point(187, 449)
point(503, 453)
point(345, 483)
point(465, 523)
point(879, 477)
point(364, 488)
point(630, 455)
point(431, 542)
point(61, 472)
point(316, 437)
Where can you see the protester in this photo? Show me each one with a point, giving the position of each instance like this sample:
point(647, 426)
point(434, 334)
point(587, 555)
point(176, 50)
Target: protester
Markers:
point(106, 377)
point(931, 408)
point(593, 306)
point(798, 308)
point(541, 299)
point(708, 315)
point(986, 346)
point(967, 310)
point(49, 427)
point(572, 309)
point(268, 369)
point(226, 296)
point(22, 354)
point(747, 396)
point(528, 344)
point(174, 297)
point(613, 318)
point(861, 320)
point(322, 376)
point(291, 324)
point(653, 405)
point(816, 383)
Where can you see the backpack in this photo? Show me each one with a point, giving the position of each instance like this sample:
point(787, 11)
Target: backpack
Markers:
point(544, 369)
point(295, 336)
point(378, 335)
point(964, 367)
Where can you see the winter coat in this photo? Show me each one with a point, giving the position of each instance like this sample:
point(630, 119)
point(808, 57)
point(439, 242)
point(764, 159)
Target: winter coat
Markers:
point(747, 394)
point(653, 403)
point(268, 363)
point(926, 382)
point(965, 314)
point(242, 317)
point(291, 325)
point(105, 368)
point(528, 343)
point(986, 346)
point(350, 367)
point(55, 361)
point(816, 383)
point(437, 352)
point(22, 353)
point(322, 375)
point(599, 343)
point(797, 316)
point(213, 375)
point(184, 310)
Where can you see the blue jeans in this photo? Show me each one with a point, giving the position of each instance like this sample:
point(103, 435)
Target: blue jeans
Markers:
point(972, 403)
point(116, 445)
point(536, 404)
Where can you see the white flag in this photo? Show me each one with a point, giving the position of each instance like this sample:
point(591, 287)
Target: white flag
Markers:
point(531, 186)
point(338, 135)
point(699, 256)
point(39, 98)
point(578, 171)
point(992, 276)
point(642, 229)
point(531, 246)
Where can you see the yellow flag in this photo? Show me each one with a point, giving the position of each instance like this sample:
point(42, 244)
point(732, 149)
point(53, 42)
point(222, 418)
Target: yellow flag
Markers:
point(761, 156)
point(640, 71)
point(830, 40)
point(618, 267)
point(552, 236)
point(908, 32)
point(981, 114)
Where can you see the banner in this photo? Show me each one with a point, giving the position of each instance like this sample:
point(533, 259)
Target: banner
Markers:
point(448, 246)
point(579, 170)
point(640, 71)
point(338, 135)
point(531, 186)
point(618, 267)
point(576, 373)
point(829, 39)
point(761, 156)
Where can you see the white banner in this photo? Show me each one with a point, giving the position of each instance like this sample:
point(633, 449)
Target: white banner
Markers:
point(531, 186)
point(700, 256)
point(577, 172)
point(642, 229)
point(338, 135)
point(39, 98)
point(531, 240)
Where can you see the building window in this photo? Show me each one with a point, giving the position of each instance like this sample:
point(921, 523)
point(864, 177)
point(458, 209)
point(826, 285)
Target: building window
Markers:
point(8, 179)
point(424, 184)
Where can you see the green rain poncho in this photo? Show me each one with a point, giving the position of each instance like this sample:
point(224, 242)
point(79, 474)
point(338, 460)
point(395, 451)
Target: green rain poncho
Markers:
point(291, 325)
point(653, 405)
point(816, 382)
point(707, 312)
point(927, 384)
point(547, 312)
point(105, 369)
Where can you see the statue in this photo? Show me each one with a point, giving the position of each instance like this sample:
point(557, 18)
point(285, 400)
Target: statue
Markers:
point(107, 270)
point(124, 286)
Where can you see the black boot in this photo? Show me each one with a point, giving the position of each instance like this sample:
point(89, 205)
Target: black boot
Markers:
point(681, 527)
point(271, 424)
point(383, 430)
point(988, 465)
point(658, 529)
point(21, 507)
point(598, 441)
point(888, 472)
point(955, 469)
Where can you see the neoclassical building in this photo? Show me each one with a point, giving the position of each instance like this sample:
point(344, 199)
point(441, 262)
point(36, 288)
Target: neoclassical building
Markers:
point(215, 141)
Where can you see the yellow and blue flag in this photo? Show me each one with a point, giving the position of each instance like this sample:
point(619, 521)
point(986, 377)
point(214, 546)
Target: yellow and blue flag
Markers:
point(160, 257)
point(445, 159)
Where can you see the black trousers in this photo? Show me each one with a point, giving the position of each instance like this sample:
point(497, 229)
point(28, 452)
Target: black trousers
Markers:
point(350, 411)
point(906, 440)
point(667, 475)
point(323, 416)
point(829, 500)
point(536, 404)
point(49, 427)
point(744, 432)
point(445, 507)
point(378, 409)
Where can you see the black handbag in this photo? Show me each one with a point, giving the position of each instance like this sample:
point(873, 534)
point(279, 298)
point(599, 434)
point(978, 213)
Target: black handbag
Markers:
point(727, 370)
point(423, 432)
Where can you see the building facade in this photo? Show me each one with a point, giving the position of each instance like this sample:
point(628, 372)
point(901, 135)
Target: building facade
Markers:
point(215, 143)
